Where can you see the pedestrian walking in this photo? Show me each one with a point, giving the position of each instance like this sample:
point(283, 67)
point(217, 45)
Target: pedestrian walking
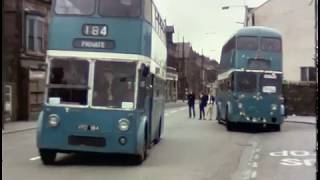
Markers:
point(202, 105)
point(191, 99)
point(210, 103)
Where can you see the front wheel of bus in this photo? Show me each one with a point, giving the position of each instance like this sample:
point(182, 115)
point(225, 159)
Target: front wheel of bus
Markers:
point(47, 156)
point(229, 125)
point(158, 138)
point(141, 157)
point(218, 116)
point(276, 127)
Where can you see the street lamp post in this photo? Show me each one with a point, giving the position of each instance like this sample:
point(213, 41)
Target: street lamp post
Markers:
point(245, 22)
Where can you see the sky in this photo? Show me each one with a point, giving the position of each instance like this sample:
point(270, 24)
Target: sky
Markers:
point(203, 22)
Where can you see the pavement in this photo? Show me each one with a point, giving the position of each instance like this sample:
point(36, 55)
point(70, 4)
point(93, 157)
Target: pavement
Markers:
point(12, 127)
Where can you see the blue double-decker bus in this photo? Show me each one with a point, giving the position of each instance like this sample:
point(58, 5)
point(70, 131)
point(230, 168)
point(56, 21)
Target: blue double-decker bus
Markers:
point(105, 79)
point(250, 79)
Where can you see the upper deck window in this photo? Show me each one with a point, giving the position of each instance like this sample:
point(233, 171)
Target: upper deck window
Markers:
point(271, 44)
point(75, 7)
point(247, 43)
point(120, 8)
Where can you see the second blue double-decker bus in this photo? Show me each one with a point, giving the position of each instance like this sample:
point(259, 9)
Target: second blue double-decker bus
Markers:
point(105, 78)
point(250, 81)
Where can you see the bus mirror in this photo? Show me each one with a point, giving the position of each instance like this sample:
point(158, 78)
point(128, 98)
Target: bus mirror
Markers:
point(145, 70)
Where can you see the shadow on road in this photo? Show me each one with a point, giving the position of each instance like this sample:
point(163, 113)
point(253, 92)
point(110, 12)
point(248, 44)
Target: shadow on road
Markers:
point(96, 159)
point(253, 128)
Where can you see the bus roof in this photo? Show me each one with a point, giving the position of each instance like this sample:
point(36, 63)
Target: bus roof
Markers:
point(258, 31)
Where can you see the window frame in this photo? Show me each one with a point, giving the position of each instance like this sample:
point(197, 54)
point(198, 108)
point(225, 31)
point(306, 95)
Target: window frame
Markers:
point(305, 74)
point(38, 19)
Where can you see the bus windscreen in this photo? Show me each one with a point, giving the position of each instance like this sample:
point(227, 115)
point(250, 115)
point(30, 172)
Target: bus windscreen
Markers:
point(246, 81)
point(75, 7)
point(68, 83)
point(114, 84)
point(120, 8)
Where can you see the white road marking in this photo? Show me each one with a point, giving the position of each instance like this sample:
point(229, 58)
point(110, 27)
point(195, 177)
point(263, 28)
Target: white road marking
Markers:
point(35, 158)
point(254, 174)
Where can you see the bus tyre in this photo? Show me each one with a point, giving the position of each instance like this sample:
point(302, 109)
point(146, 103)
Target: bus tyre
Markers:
point(47, 156)
point(141, 157)
point(158, 138)
point(219, 116)
point(277, 127)
point(229, 125)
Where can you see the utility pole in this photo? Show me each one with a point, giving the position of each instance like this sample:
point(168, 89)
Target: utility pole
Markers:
point(3, 65)
point(183, 71)
point(202, 70)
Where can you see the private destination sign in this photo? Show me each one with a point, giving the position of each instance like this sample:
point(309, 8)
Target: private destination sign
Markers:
point(93, 43)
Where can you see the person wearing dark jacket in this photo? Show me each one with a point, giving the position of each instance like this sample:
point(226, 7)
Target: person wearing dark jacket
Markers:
point(191, 99)
point(202, 105)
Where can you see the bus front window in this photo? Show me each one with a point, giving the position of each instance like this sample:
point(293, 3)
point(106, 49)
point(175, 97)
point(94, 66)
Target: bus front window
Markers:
point(75, 7)
point(271, 45)
point(246, 82)
point(120, 8)
point(68, 83)
point(247, 43)
point(114, 84)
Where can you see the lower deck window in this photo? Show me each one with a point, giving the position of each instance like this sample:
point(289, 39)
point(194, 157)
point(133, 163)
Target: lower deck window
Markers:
point(114, 84)
point(68, 83)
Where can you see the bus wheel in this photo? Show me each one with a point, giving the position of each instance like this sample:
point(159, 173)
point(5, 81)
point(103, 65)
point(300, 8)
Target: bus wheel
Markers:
point(158, 138)
point(141, 157)
point(219, 116)
point(276, 127)
point(229, 125)
point(47, 156)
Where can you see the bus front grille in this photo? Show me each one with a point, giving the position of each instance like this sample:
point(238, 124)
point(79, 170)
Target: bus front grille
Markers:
point(87, 141)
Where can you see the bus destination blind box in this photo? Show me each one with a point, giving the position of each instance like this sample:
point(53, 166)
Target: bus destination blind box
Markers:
point(93, 44)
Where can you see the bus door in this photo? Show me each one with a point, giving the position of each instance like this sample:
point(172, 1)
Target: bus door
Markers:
point(145, 96)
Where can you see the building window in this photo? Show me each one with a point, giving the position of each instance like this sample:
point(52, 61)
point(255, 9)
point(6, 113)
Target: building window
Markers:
point(308, 74)
point(35, 34)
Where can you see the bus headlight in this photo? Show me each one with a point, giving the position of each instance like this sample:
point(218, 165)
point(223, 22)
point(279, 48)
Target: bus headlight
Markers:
point(123, 125)
point(54, 120)
point(273, 107)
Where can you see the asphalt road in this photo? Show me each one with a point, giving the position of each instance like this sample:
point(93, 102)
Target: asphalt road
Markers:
point(190, 150)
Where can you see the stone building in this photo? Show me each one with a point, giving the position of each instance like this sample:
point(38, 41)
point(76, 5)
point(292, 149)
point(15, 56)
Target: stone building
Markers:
point(25, 43)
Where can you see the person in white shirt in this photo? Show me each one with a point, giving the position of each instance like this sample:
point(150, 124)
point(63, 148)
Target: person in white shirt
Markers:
point(210, 105)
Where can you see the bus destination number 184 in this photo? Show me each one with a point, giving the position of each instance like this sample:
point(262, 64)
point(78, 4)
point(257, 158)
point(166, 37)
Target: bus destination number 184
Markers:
point(95, 30)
